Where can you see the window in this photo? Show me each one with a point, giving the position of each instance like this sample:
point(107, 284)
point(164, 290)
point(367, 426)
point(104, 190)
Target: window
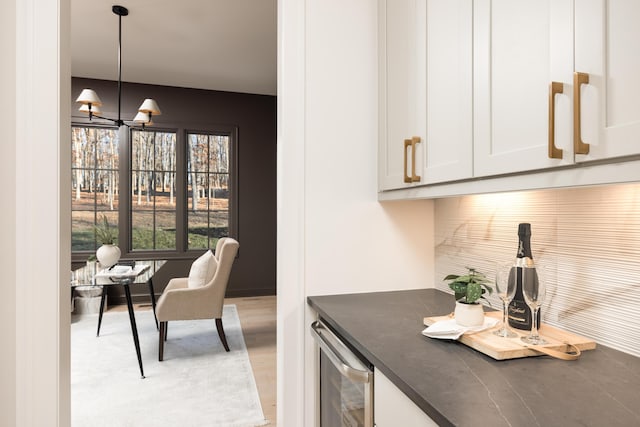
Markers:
point(178, 188)
point(207, 188)
point(153, 185)
point(94, 175)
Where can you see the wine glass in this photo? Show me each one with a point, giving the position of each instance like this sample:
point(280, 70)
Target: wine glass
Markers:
point(505, 289)
point(534, 290)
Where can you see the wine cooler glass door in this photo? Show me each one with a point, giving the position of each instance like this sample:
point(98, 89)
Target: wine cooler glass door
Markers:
point(346, 383)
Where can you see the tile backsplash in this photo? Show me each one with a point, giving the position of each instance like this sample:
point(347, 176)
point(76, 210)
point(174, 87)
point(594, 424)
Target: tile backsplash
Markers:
point(587, 238)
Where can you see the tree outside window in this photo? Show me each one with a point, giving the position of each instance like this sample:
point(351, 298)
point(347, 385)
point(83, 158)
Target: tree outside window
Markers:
point(177, 185)
point(153, 190)
point(207, 189)
point(94, 175)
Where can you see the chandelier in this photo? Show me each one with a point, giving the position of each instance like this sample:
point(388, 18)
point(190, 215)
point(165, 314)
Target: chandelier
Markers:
point(90, 102)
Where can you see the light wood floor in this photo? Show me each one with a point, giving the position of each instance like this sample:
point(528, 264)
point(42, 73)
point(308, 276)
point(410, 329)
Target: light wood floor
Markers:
point(258, 320)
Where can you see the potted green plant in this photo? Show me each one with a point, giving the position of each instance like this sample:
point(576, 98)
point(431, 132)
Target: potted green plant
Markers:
point(468, 290)
point(108, 254)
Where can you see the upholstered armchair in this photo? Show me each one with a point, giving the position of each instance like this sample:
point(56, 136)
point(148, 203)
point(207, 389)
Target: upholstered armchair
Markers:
point(201, 295)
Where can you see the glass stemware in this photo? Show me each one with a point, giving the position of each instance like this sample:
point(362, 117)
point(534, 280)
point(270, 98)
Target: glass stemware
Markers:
point(505, 289)
point(534, 290)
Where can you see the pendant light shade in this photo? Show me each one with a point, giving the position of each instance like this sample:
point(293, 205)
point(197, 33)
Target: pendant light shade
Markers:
point(142, 119)
point(89, 96)
point(150, 106)
point(94, 109)
point(90, 101)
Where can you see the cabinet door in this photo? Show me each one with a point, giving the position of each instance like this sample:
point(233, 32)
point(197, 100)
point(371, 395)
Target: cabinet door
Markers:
point(393, 408)
point(425, 90)
point(520, 47)
point(606, 48)
point(446, 153)
point(402, 89)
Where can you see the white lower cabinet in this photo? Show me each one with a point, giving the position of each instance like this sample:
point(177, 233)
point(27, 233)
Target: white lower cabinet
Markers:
point(392, 408)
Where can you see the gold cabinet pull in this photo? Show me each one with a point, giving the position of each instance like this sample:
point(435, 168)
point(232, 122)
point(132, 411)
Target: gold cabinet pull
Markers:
point(411, 143)
point(415, 140)
point(579, 147)
point(407, 143)
point(554, 88)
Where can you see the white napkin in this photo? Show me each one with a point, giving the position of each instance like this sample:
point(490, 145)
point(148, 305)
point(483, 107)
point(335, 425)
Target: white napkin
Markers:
point(120, 269)
point(450, 330)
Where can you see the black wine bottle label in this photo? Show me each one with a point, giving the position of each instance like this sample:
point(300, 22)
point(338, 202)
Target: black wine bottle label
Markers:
point(518, 311)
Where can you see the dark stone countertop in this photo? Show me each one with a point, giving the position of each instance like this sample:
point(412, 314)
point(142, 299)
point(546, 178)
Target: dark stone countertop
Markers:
point(456, 385)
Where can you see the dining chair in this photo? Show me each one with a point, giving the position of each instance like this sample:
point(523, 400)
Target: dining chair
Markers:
point(201, 295)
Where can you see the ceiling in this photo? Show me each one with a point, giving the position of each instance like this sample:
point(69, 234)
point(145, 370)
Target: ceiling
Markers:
point(228, 45)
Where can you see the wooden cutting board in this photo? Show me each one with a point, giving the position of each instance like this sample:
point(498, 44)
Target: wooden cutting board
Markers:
point(511, 348)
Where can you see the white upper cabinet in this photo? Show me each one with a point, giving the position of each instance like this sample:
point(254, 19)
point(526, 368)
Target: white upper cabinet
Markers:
point(607, 34)
point(425, 73)
point(447, 152)
point(521, 94)
point(401, 91)
point(520, 48)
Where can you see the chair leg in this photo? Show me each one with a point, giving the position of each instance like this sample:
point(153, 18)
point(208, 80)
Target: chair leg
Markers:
point(161, 338)
point(166, 330)
point(223, 338)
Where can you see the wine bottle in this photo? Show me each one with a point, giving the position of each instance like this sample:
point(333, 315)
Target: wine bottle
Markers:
point(519, 312)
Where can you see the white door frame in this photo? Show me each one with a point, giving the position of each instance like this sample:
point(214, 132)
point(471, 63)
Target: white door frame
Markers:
point(36, 255)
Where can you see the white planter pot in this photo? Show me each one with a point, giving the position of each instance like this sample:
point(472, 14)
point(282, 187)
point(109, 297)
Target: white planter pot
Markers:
point(469, 314)
point(108, 255)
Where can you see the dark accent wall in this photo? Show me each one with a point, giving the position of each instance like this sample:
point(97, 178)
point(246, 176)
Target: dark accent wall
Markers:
point(254, 116)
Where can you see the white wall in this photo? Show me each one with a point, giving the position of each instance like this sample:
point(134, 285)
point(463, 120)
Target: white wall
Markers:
point(35, 220)
point(352, 242)
point(333, 235)
point(290, 212)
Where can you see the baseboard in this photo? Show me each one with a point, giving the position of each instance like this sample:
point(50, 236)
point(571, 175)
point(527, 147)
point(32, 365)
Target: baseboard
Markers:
point(236, 293)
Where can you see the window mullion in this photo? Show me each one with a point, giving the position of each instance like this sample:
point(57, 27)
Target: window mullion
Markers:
point(180, 183)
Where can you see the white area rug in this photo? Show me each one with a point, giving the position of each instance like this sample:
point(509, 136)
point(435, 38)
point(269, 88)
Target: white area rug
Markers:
point(198, 384)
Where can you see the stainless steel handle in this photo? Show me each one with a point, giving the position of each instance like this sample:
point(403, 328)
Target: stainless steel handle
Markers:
point(337, 352)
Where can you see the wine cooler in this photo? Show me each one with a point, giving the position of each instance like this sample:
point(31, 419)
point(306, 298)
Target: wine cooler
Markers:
point(346, 382)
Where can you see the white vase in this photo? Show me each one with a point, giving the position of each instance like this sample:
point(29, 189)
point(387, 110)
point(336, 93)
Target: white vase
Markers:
point(108, 255)
point(469, 314)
